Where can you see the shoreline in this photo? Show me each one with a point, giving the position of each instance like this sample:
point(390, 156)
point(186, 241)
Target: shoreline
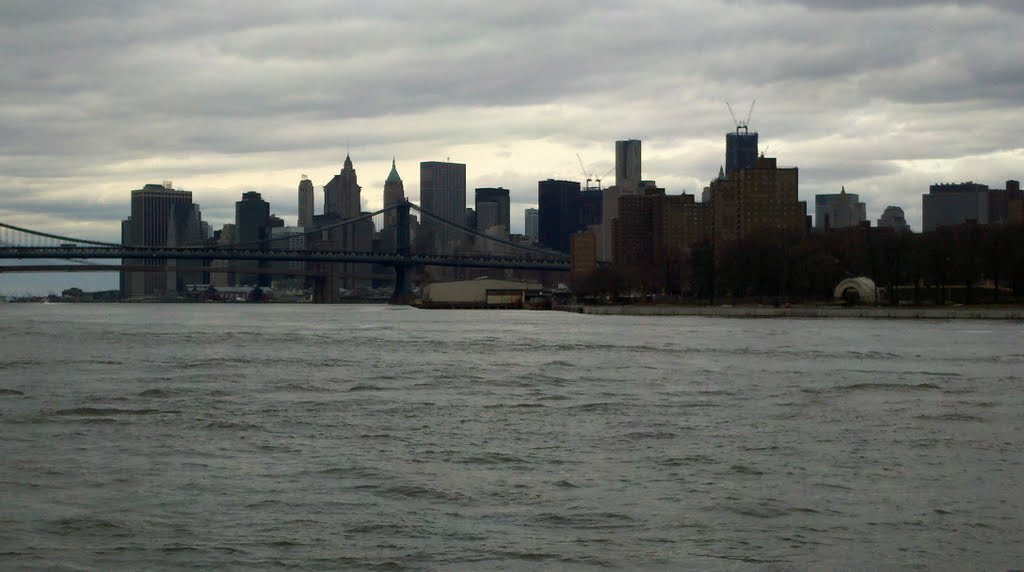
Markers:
point(962, 312)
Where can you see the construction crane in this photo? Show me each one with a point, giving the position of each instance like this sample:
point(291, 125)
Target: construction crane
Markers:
point(745, 124)
point(586, 175)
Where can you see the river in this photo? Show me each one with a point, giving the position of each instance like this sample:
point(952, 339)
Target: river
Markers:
point(265, 437)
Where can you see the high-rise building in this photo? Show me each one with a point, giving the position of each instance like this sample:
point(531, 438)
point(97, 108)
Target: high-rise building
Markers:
point(305, 202)
point(443, 194)
point(341, 194)
point(559, 216)
point(154, 210)
point(740, 150)
point(952, 204)
point(657, 229)
point(838, 210)
point(894, 218)
point(627, 165)
point(288, 238)
point(532, 225)
point(492, 208)
point(394, 194)
point(252, 227)
point(756, 199)
point(591, 208)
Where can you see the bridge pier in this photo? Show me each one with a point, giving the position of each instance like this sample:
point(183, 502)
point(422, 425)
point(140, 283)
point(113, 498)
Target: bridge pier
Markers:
point(403, 246)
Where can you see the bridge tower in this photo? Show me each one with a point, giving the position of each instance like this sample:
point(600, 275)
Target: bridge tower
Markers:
point(403, 247)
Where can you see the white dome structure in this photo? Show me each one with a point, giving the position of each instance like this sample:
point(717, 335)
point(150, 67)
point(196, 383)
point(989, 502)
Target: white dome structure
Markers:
point(859, 290)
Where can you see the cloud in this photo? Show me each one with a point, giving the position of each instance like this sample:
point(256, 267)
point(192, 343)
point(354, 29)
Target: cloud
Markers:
point(102, 97)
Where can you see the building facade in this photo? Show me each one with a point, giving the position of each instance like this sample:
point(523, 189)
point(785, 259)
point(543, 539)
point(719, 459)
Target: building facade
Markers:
point(252, 228)
point(740, 150)
point(559, 213)
point(154, 210)
point(753, 200)
point(838, 210)
point(532, 225)
point(443, 194)
point(306, 199)
point(394, 194)
point(493, 208)
point(342, 193)
point(893, 218)
point(627, 165)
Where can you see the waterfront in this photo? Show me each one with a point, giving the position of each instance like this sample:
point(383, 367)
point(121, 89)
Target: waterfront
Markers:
point(360, 437)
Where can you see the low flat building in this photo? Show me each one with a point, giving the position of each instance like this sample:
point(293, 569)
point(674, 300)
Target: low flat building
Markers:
point(480, 293)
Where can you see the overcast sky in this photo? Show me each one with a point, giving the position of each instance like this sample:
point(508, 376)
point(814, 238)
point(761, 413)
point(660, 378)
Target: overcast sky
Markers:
point(885, 97)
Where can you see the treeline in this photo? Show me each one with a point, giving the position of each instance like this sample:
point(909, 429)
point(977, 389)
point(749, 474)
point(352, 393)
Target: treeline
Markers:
point(968, 263)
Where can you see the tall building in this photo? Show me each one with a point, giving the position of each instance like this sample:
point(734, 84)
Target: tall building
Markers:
point(740, 150)
point(591, 208)
point(443, 194)
point(492, 208)
point(656, 229)
point(756, 199)
point(838, 210)
point(252, 225)
point(305, 202)
point(955, 203)
point(154, 208)
point(532, 225)
point(559, 216)
point(894, 218)
point(288, 238)
point(341, 194)
point(627, 165)
point(394, 194)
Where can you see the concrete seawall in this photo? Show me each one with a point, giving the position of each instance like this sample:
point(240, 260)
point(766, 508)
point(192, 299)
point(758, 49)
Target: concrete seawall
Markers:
point(802, 312)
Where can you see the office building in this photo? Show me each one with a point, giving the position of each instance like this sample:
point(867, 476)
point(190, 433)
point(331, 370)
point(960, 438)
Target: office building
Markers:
point(288, 238)
point(492, 208)
point(532, 225)
point(252, 229)
point(443, 194)
point(342, 193)
point(559, 216)
point(155, 209)
point(627, 165)
point(956, 203)
point(838, 210)
point(740, 150)
point(893, 218)
point(591, 208)
point(305, 202)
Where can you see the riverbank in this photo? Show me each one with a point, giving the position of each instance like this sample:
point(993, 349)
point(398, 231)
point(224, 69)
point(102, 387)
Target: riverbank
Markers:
point(933, 313)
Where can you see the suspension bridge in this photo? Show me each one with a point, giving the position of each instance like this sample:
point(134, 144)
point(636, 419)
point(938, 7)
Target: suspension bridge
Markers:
point(325, 252)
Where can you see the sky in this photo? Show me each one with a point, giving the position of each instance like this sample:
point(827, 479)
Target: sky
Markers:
point(883, 97)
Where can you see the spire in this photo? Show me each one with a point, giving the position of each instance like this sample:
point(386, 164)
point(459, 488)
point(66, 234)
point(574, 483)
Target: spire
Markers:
point(393, 176)
point(348, 162)
point(721, 172)
point(843, 190)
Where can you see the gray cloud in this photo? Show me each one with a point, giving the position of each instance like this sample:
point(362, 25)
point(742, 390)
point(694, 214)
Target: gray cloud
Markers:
point(102, 97)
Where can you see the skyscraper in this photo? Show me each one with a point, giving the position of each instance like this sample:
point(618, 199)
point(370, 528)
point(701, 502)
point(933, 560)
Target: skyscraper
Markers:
point(150, 225)
point(559, 216)
point(252, 225)
point(492, 208)
point(627, 165)
point(532, 223)
point(894, 218)
point(341, 194)
point(740, 150)
point(305, 202)
point(443, 194)
point(394, 193)
point(840, 210)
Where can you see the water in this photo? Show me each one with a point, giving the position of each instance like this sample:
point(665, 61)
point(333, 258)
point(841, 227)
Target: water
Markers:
point(368, 437)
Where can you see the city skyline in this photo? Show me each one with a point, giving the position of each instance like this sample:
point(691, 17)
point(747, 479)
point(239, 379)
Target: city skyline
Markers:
point(103, 99)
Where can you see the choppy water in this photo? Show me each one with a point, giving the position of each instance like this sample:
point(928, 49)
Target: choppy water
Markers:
point(346, 437)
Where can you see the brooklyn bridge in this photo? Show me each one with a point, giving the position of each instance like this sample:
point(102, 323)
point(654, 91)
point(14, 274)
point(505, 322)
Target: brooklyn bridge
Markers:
point(324, 260)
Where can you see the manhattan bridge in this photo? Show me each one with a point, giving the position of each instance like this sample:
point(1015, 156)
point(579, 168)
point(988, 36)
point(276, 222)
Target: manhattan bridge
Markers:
point(324, 259)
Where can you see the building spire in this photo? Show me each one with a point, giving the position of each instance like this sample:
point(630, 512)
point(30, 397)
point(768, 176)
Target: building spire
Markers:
point(393, 175)
point(348, 161)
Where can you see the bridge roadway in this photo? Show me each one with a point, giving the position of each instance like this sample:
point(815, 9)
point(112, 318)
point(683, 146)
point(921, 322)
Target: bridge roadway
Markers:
point(393, 259)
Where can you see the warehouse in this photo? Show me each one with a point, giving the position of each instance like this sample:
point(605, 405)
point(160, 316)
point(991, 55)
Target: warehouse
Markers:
point(480, 293)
